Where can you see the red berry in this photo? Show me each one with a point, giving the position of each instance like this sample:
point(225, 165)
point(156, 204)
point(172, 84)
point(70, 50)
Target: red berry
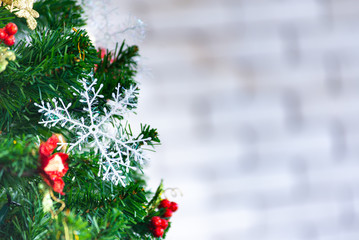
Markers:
point(164, 223)
point(11, 28)
point(102, 51)
point(10, 40)
point(158, 232)
point(168, 213)
point(156, 221)
point(174, 206)
point(164, 204)
point(3, 34)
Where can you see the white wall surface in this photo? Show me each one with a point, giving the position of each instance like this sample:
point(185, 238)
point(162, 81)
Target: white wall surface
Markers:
point(257, 106)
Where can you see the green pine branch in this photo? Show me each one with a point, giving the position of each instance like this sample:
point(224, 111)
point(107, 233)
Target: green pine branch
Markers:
point(50, 61)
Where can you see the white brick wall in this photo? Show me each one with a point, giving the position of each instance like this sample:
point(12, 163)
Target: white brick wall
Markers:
point(257, 106)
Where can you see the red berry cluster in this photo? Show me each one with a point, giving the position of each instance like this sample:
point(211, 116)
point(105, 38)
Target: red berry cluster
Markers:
point(7, 34)
point(169, 206)
point(159, 224)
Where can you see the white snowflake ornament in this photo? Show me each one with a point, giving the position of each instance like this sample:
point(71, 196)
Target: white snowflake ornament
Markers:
point(119, 151)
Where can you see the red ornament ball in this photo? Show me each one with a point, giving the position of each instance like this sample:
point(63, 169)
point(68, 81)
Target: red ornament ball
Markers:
point(164, 223)
point(168, 213)
point(158, 232)
point(173, 207)
point(3, 34)
point(164, 204)
point(156, 221)
point(11, 28)
point(10, 40)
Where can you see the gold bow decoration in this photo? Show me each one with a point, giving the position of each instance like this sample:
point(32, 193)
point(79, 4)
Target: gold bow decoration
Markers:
point(23, 9)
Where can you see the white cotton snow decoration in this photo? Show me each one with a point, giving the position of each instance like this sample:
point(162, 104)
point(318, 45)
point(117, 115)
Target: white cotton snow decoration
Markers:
point(104, 132)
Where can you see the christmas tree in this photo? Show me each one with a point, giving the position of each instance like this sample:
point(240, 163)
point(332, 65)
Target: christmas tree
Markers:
point(70, 164)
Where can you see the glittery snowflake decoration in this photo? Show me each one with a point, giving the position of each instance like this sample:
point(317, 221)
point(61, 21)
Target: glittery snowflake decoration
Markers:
point(119, 151)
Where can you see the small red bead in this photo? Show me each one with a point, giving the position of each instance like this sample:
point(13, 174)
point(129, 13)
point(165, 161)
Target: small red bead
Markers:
point(164, 204)
point(10, 40)
point(3, 34)
point(156, 221)
point(168, 213)
point(164, 223)
point(173, 207)
point(11, 28)
point(102, 51)
point(158, 232)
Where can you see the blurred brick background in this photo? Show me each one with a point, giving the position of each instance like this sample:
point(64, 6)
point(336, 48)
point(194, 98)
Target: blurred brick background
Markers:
point(257, 106)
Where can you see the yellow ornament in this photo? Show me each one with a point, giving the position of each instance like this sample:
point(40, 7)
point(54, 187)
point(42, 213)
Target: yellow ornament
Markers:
point(47, 203)
point(23, 9)
point(5, 56)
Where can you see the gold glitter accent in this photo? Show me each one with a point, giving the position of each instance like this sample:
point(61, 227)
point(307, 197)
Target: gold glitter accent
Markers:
point(23, 9)
point(5, 56)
